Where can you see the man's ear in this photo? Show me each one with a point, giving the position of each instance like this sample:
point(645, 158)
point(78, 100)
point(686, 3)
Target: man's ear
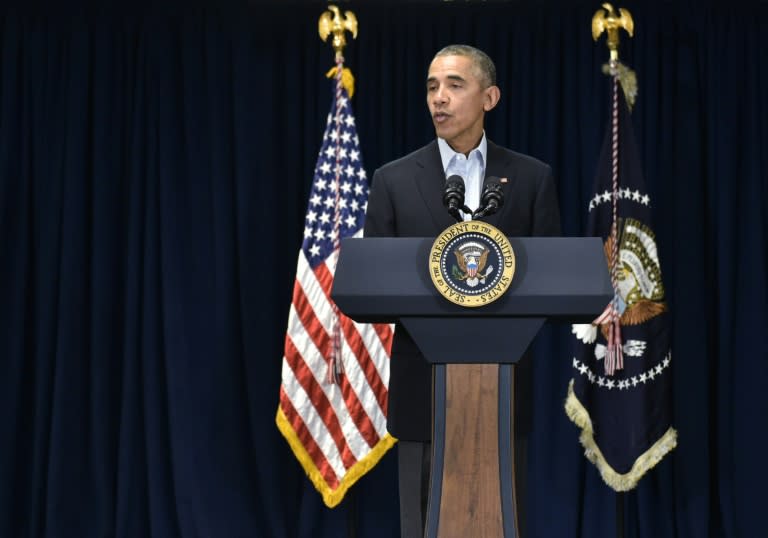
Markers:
point(492, 96)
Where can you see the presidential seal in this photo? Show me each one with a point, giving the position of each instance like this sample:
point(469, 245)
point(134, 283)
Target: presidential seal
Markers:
point(471, 263)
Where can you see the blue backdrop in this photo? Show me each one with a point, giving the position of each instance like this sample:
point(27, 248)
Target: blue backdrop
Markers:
point(154, 172)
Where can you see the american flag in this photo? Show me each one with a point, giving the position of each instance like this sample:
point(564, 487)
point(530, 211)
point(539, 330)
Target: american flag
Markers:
point(333, 397)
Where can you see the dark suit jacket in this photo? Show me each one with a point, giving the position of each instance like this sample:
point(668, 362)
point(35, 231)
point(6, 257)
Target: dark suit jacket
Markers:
point(406, 201)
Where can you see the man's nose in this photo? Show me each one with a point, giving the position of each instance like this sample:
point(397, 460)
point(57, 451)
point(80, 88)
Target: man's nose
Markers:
point(440, 96)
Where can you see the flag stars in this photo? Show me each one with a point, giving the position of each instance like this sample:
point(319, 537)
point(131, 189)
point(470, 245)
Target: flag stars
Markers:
point(624, 384)
point(334, 209)
point(623, 193)
point(601, 381)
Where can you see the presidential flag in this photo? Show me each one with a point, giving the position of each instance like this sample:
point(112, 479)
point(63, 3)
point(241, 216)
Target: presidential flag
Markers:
point(620, 395)
point(333, 396)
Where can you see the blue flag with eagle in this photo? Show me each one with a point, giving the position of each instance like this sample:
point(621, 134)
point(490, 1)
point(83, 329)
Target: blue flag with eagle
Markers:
point(620, 395)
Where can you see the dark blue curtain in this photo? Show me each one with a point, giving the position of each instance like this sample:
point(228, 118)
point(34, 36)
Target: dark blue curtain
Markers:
point(154, 172)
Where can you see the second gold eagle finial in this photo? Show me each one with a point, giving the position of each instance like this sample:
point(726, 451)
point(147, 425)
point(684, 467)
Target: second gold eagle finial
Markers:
point(606, 20)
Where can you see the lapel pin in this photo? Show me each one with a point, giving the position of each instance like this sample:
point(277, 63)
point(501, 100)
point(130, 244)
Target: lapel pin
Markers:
point(503, 180)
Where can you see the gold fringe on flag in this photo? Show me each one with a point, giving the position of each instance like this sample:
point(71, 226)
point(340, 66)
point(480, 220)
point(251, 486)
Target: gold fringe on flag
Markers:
point(332, 497)
point(644, 463)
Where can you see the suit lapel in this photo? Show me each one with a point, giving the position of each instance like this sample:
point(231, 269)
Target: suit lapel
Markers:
point(499, 166)
point(431, 181)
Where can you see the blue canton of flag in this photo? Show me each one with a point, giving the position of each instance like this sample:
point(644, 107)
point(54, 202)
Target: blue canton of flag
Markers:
point(339, 154)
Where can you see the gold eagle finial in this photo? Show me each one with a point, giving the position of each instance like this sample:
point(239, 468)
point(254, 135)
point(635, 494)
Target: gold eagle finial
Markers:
point(606, 20)
point(334, 24)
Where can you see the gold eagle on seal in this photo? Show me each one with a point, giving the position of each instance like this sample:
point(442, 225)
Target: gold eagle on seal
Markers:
point(471, 265)
point(641, 291)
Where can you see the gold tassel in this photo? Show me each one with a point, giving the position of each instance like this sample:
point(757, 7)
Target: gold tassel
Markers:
point(347, 79)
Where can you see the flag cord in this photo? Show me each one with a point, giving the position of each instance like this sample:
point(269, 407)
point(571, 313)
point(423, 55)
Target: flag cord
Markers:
point(614, 357)
point(335, 364)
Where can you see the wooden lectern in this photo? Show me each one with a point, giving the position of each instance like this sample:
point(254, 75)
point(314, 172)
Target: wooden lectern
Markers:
point(472, 351)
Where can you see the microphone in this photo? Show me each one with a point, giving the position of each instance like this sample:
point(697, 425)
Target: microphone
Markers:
point(491, 199)
point(453, 197)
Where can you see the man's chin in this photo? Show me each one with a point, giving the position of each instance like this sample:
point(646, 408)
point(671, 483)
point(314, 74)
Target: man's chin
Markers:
point(442, 132)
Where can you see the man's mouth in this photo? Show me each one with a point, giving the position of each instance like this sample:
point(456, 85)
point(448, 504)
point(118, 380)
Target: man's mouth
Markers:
point(440, 117)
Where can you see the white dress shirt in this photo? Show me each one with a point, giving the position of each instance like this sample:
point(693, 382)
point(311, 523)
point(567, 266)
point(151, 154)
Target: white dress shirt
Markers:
point(471, 169)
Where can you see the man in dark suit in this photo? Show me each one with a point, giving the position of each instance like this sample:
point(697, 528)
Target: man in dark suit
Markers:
point(406, 201)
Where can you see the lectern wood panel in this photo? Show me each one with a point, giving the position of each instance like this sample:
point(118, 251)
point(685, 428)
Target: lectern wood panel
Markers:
point(471, 502)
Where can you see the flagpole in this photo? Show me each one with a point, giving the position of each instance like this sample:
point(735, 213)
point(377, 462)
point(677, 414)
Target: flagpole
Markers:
point(336, 25)
point(608, 21)
point(620, 514)
point(332, 23)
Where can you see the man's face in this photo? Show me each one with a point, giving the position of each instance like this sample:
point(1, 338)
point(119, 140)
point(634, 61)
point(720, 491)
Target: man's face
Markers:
point(457, 101)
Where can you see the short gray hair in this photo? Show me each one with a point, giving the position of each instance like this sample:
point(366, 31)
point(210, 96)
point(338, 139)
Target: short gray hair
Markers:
point(481, 61)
